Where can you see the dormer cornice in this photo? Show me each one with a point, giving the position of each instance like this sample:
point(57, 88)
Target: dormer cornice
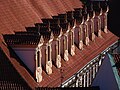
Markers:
point(22, 40)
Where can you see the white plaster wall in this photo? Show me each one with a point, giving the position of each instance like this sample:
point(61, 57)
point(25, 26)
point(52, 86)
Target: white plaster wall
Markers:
point(105, 77)
point(27, 55)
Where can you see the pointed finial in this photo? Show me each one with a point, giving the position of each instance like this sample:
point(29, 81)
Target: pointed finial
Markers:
point(51, 36)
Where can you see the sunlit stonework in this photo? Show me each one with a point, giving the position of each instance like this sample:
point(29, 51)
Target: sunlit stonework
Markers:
point(49, 67)
point(81, 45)
point(66, 55)
point(87, 41)
point(39, 74)
point(72, 50)
point(58, 61)
point(93, 37)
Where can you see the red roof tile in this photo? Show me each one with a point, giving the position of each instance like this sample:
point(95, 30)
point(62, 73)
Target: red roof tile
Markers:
point(16, 15)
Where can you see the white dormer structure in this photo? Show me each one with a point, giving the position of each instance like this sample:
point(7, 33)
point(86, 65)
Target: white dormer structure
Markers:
point(71, 25)
point(71, 46)
point(91, 27)
point(85, 32)
point(78, 32)
point(64, 44)
point(28, 48)
point(56, 57)
point(46, 52)
point(103, 17)
point(97, 20)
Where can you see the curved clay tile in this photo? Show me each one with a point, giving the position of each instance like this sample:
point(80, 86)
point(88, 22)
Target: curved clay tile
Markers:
point(57, 6)
point(8, 22)
point(41, 8)
point(76, 3)
point(15, 15)
point(67, 5)
point(23, 12)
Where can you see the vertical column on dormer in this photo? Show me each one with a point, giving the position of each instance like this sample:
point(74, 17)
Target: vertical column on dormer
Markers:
point(71, 46)
point(65, 46)
point(58, 57)
point(72, 24)
point(91, 21)
point(78, 28)
point(99, 27)
point(87, 32)
point(85, 25)
point(81, 35)
point(64, 38)
point(92, 27)
point(105, 23)
point(105, 18)
point(38, 71)
point(97, 19)
point(48, 51)
point(56, 52)
point(46, 55)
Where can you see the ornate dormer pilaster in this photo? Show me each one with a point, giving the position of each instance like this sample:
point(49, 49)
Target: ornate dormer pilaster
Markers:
point(46, 51)
point(38, 55)
point(48, 55)
point(65, 46)
point(81, 35)
point(48, 59)
point(38, 71)
point(92, 27)
point(99, 27)
point(87, 32)
point(71, 46)
point(58, 57)
point(105, 19)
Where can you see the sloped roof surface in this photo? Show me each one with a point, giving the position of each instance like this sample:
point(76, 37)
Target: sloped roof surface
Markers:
point(15, 15)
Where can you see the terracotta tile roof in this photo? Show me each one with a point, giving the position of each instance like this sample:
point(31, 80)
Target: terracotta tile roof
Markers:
point(16, 15)
point(19, 14)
